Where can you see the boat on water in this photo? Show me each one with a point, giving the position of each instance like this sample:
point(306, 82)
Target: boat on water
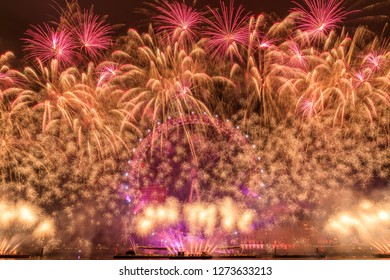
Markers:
point(382, 255)
point(179, 256)
point(132, 254)
point(183, 256)
point(236, 256)
point(14, 256)
point(299, 256)
point(190, 257)
point(139, 257)
point(316, 255)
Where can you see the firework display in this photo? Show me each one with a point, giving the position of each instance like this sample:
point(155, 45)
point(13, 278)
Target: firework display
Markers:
point(212, 125)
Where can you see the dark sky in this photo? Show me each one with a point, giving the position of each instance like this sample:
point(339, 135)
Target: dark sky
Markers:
point(17, 15)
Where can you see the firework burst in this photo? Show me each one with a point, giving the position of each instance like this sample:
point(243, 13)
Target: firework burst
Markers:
point(47, 43)
point(227, 31)
point(171, 82)
point(90, 32)
point(319, 17)
point(180, 22)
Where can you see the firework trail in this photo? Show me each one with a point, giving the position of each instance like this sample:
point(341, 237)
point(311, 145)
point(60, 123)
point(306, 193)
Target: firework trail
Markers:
point(368, 13)
point(7, 248)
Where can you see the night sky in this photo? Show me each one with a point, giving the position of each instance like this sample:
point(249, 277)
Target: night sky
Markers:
point(17, 15)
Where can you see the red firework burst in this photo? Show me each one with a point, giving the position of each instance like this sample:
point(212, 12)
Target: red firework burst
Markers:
point(91, 33)
point(319, 17)
point(227, 31)
point(46, 43)
point(181, 22)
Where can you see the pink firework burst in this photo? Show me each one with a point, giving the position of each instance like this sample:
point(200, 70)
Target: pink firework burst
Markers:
point(265, 43)
point(375, 61)
point(91, 33)
point(296, 57)
point(181, 22)
point(361, 77)
point(46, 43)
point(227, 31)
point(319, 17)
point(307, 107)
point(106, 72)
